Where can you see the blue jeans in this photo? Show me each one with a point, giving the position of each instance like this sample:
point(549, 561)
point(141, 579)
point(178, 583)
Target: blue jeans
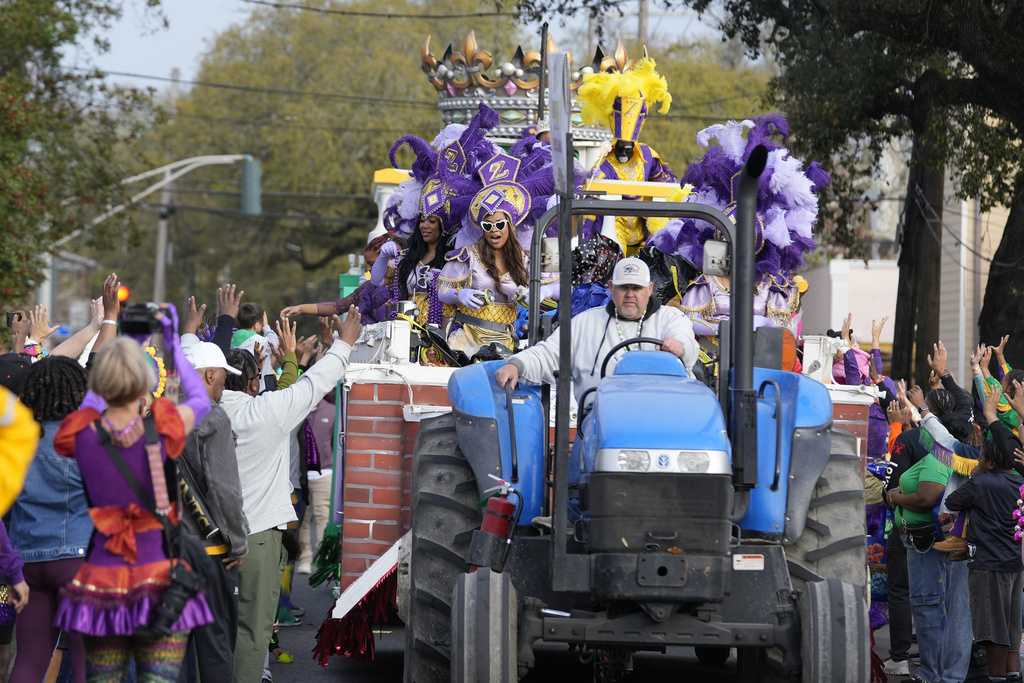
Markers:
point(940, 603)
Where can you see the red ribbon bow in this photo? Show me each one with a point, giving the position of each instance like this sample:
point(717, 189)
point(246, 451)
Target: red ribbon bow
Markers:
point(121, 524)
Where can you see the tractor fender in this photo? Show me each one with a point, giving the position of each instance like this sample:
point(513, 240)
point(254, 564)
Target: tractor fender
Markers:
point(484, 433)
point(478, 441)
point(810, 453)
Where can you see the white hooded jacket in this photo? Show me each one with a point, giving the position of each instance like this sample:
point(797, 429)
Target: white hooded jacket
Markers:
point(594, 333)
point(263, 425)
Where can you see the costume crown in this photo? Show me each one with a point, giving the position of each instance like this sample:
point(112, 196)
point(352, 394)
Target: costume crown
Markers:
point(466, 78)
point(621, 94)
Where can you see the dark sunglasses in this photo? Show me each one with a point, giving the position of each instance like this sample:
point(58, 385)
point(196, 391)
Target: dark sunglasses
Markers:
point(498, 226)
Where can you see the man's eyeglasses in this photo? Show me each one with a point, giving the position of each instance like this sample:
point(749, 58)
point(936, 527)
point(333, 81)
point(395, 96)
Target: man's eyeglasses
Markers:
point(496, 226)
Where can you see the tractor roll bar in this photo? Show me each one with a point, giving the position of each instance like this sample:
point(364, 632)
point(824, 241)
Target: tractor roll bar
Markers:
point(571, 572)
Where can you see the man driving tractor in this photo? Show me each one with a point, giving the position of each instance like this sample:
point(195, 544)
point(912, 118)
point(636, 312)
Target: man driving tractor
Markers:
point(631, 313)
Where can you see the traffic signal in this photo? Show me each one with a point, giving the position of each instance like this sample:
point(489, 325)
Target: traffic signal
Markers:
point(123, 293)
point(251, 187)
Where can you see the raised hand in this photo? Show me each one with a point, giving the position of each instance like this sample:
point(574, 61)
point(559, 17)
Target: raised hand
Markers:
point(876, 331)
point(111, 304)
point(305, 349)
point(938, 359)
point(976, 358)
point(193, 316)
point(991, 406)
point(351, 327)
point(286, 333)
point(229, 299)
point(298, 309)
point(326, 331)
point(257, 352)
point(1015, 395)
point(916, 397)
point(39, 323)
point(1000, 349)
point(847, 330)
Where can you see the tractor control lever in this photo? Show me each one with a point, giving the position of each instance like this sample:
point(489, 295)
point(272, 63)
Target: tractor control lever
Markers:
point(512, 432)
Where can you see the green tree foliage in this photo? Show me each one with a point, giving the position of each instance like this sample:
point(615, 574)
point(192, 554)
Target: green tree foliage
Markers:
point(58, 132)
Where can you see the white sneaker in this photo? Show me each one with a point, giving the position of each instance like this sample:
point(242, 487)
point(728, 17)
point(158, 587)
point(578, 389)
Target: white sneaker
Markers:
point(304, 568)
point(897, 667)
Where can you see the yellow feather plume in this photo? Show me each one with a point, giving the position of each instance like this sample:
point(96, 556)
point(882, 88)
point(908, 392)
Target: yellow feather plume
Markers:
point(598, 92)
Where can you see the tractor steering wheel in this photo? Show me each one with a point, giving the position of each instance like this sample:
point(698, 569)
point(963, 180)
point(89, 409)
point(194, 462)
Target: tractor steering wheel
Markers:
point(624, 343)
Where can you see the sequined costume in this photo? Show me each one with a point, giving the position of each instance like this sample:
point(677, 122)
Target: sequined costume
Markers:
point(620, 101)
point(518, 187)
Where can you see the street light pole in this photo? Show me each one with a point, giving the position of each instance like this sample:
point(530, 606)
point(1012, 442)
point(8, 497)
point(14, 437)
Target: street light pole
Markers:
point(160, 262)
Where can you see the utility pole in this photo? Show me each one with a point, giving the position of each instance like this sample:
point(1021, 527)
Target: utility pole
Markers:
point(160, 264)
point(641, 33)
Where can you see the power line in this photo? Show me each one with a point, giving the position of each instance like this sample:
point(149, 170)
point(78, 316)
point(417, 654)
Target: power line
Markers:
point(923, 205)
point(289, 124)
point(361, 99)
point(376, 15)
point(281, 195)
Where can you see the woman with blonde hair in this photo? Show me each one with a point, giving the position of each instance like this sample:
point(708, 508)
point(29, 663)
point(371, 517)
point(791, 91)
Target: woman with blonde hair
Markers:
point(118, 590)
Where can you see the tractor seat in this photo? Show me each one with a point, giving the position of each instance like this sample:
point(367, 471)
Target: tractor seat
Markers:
point(650, 363)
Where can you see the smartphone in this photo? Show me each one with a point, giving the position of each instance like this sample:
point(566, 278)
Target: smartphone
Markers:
point(13, 317)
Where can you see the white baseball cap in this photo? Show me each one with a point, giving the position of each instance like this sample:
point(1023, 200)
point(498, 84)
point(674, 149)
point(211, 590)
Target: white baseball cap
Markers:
point(208, 355)
point(631, 271)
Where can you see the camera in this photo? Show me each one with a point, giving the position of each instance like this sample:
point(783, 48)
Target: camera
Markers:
point(183, 586)
point(13, 316)
point(139, 320)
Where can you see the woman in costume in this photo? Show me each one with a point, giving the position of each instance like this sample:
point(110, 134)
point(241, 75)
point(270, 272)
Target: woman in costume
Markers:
point(119, 589)
point(488, 270)
point(787, 207)
point(420, 217)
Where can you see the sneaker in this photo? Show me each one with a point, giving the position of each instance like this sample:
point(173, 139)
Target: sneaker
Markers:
point(897, 667)
point(298, 612)
point(304, 568)
point(288, 621)
point(267, 677)
point(952, 544)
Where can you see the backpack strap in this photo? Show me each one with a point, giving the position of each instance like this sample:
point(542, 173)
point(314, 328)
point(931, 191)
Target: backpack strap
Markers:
point(154, 454)
point(145, 496)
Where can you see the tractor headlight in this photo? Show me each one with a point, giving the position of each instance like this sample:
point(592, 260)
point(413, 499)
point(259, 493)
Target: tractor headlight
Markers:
point(662, 461)
point(694, 462)
point(634, 461)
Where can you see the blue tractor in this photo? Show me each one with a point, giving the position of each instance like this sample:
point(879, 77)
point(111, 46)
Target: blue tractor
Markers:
point(727, 519)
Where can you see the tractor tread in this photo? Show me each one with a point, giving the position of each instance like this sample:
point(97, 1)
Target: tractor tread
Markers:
point(832, 544)
point(445, 511)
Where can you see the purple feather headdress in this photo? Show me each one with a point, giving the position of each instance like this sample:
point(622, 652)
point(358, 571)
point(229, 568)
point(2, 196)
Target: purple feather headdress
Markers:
point(443, 181)
point(787, 198)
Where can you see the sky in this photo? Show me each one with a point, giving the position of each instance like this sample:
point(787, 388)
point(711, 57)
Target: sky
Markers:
point(139, 44)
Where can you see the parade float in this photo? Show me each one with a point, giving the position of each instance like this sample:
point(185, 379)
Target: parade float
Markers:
point(388, 391)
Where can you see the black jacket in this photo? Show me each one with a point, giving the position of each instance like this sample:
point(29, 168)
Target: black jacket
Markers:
point(210, 457)
point(989, 499)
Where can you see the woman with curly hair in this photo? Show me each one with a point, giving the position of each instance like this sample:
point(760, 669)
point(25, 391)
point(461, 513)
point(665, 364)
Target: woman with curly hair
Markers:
point(49, 522)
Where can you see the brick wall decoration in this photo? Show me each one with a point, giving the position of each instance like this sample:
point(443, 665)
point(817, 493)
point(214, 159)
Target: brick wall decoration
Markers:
point(379, 446)
point(854, 419)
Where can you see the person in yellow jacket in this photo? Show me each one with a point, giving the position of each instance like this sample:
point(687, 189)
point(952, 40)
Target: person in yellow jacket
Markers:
point(19, 434)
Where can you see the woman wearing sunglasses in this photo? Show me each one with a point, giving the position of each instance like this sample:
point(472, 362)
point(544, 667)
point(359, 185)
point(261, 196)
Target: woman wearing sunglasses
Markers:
point(485, 279)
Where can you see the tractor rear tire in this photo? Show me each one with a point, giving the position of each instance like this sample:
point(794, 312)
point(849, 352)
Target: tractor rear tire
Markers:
point(485, 625)
point(834, 645)
point(832, 544)
point(445, 511)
